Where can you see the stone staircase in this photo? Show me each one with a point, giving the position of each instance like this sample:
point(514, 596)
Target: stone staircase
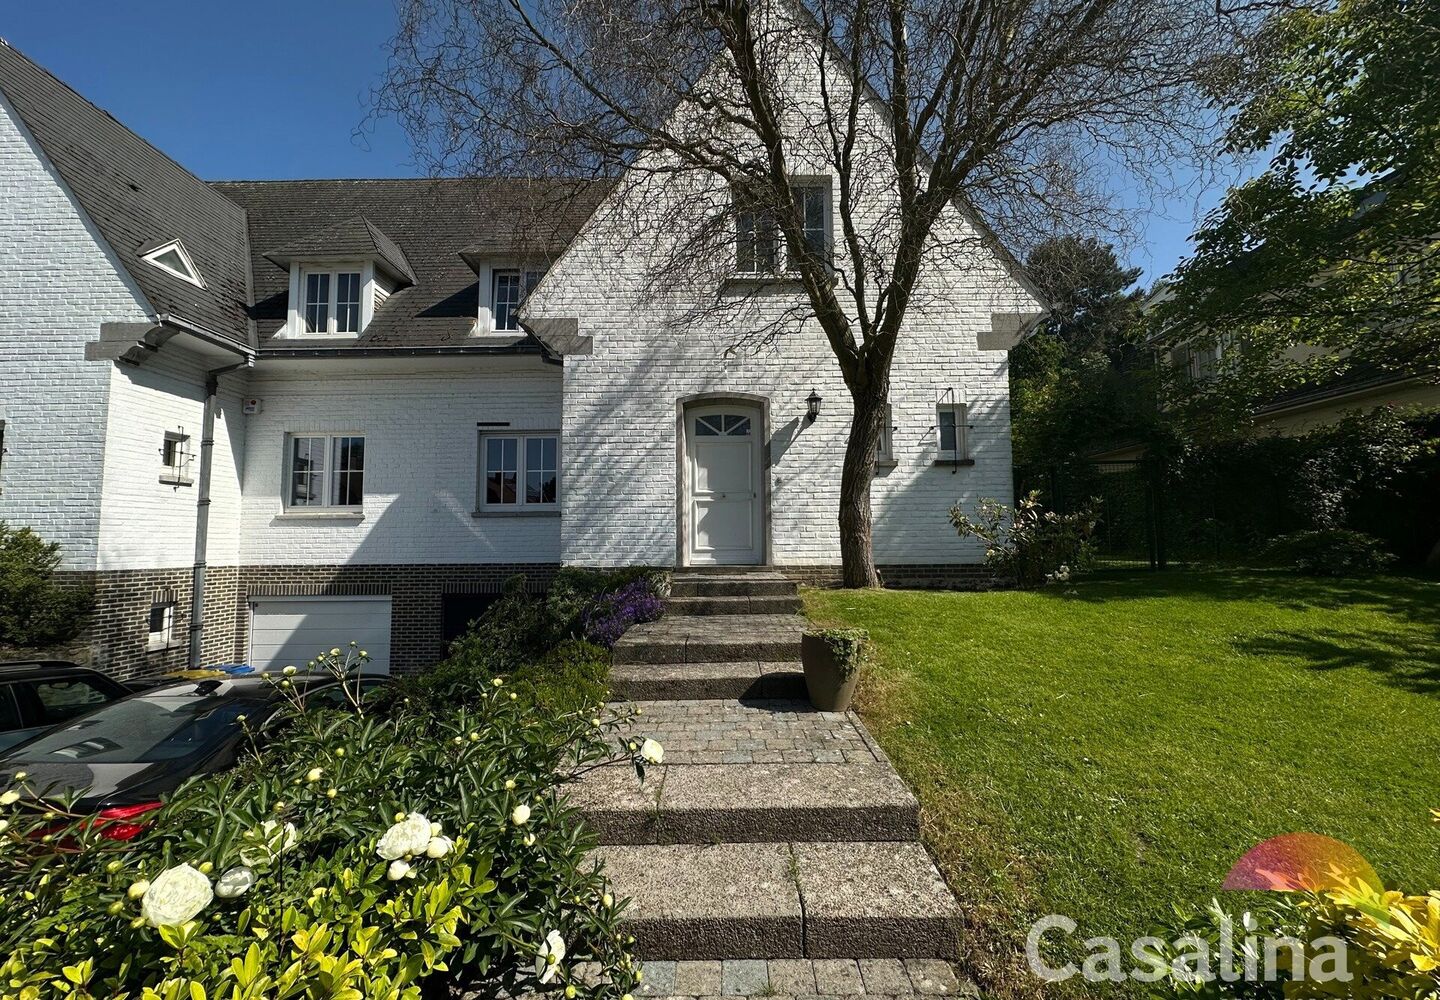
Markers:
point(772, 831)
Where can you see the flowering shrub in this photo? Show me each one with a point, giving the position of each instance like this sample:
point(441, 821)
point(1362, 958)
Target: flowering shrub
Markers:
point(1029, 544)
point(360, 852)
point(612, 615)
point(575, 591)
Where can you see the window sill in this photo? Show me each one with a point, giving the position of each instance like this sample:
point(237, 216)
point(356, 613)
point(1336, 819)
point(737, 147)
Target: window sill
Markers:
point(177, 481)
point(885, 463)
point(740, 281)
point(954, 461)
point(519, 512)
point(162, 648)
point(344, 514)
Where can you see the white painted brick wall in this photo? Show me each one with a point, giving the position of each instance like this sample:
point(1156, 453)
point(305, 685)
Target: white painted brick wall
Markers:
point(57, 285)
point(620, 426)
point(420, 463)
point(147, 524)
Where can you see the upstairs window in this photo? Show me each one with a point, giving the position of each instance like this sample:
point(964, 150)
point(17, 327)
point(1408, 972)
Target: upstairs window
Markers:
point(326, 470)
point(509, 287)
point(952, 424)
point(757, 235)
point(175, 458)
point(175, 260)
point(331, 302)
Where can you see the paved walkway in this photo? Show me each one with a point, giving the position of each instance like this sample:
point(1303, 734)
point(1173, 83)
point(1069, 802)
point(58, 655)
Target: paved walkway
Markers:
point(775, 852)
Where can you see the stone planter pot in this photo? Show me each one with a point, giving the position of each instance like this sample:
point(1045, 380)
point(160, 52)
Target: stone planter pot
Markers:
point(829, 689)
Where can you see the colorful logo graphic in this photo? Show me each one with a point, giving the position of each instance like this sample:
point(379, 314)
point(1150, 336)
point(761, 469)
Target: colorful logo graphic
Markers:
point(1301, 862)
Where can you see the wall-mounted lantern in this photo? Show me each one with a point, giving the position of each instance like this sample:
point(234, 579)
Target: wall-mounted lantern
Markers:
point(813, 402)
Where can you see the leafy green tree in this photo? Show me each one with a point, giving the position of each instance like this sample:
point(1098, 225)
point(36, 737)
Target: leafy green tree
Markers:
point(1080, 382)
point(1328, 261)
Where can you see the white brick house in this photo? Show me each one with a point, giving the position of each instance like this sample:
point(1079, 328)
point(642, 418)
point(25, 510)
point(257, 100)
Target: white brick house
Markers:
point(309, 409)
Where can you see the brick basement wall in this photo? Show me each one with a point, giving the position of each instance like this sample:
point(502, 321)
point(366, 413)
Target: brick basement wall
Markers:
point(415, 589)
point(920, 576)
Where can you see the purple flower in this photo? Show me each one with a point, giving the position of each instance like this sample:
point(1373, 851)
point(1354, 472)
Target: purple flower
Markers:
point(613, 613)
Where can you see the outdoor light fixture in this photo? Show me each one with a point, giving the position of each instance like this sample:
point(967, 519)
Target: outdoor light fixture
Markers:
point(814, 403)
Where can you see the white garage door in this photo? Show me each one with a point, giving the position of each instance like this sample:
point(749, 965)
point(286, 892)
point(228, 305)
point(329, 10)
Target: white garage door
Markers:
point(285, 630)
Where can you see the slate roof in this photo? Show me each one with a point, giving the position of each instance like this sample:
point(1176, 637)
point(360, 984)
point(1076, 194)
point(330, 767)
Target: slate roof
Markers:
point(355, 238)
point(137, 197)
point(430, 222)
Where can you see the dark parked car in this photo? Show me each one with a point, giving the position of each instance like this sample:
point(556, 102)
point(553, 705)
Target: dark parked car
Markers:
point(125, 755)
point(38, 694)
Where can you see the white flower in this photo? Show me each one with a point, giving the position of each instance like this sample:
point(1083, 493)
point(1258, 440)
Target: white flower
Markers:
point(313, 775)
point(275, 840)
point(289, 671)
point(9, 798)
point(398, 870)
point(529, 840)
point(652, 751)
point(438, 847)
point(520, 815)
point(547, 959)
point(406, 838)
point(235, 882)
point(176, 896)
point(498, 681)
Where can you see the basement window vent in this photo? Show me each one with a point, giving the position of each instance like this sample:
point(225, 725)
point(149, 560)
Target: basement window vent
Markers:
point(162, 625)
point(173, 258)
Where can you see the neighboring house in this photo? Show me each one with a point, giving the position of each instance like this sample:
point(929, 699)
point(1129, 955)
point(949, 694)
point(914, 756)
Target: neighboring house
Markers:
point(267, 417)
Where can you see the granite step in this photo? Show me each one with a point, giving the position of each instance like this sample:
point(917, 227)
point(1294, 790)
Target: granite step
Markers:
point(731, 585)
point(713, 639)
point(754, 732)
point(733, 605)
point(784, 900)
point(744, 679)
point(733, 803)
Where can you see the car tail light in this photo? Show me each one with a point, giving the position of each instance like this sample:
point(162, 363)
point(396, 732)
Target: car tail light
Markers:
point(114, 823)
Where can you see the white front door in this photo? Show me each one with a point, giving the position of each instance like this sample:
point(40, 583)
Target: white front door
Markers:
point(726, 508)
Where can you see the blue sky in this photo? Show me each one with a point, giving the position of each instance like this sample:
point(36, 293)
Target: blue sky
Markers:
point(267, 89)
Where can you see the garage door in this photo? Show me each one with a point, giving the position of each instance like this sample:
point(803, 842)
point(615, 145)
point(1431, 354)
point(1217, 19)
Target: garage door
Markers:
point(285, 630)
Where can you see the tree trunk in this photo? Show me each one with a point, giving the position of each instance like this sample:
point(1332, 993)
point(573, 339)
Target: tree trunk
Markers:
point(857, 556)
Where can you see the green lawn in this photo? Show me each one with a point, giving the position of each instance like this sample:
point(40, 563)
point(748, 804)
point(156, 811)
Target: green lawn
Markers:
point(1109, 750)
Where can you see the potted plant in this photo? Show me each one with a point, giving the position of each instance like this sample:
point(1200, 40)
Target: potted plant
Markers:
point(832, 665)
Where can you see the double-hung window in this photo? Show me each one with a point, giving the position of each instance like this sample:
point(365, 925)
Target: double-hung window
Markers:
point(812, 205)
point(332, 302)
point(519, 471)
point(325, 470)
point(508, 288)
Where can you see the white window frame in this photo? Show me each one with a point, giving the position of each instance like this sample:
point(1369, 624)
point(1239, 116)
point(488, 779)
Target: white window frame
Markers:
point(152, 257)
point(176, 470)
point(959, 412)
point(329, 483)
point(165, 635)
point(885, 448)
point(529, 276)
point(522, 504)
point(332, 300)
point(768, 230)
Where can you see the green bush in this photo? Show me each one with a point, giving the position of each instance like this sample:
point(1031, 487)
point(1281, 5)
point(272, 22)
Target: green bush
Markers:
point(1329, 552)
point(352, 853)
point(36, 609)
point(1030, 545)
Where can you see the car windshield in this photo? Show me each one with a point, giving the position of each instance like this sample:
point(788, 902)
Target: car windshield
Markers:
point(164, 725)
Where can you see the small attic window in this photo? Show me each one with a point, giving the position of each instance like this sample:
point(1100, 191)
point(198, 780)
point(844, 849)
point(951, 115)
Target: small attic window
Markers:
point(172, 257)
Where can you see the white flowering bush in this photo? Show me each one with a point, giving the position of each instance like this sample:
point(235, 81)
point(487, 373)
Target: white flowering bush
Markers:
point(380, 851)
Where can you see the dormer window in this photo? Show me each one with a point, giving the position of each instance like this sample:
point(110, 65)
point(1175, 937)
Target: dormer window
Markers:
point(331, 302)
point(174, 259)
point(508, 288)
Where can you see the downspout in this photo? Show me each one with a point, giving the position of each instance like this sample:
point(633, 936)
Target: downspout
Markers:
point(202, 510)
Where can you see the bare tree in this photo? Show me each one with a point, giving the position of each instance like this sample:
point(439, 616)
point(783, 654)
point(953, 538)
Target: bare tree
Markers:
point(1017, 115)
